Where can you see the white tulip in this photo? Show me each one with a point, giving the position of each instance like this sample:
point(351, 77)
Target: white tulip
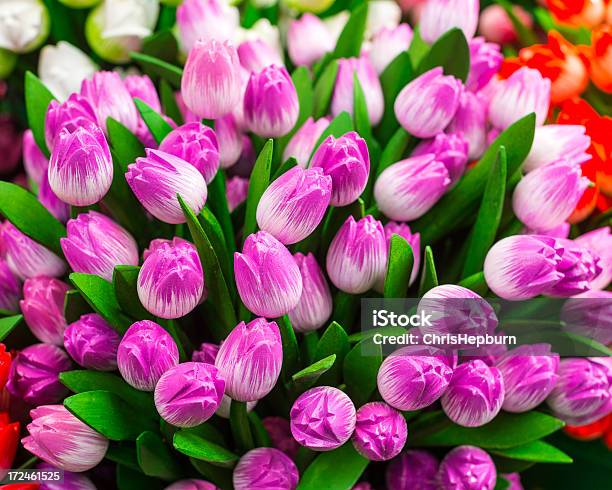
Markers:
point(24, 25)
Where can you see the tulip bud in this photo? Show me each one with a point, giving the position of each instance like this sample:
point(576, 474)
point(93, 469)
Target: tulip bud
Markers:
point(236, 191)
point(382, 14)
point(523, 266)
point(579, 266)
point(188, 394)
point(265, 468)
point(60, 439)
point(81, 168)
point(387, 44)
point(380, 432)
point(323, 418)
point(256, 54)
point(408, 189)
point(34, 375)
point(315, 305)
point(495, 24)
point(229, 139)
point(279, 431)
point(450, 149)
point(191, 484)
point(73, 113)
point(145, 352)
point(71, 481)
point(558, 141)
point(95, 244)
point(10, 288)
point(471, 122)
point(468, 468)
point(308, 40)
point(515, 481)
point(599, 241)
point(34, 161)
point(302, 143)
point(529, 373)
point(24, 25)
point(156, 180)
point(414, 469)
point(268, 279)
point(205, 20)
point(525, 91)
point(43, 308)
point(250, 359)
point(25, 257)
point(347, 162)
point(63, 67)
point(414, 377)
point(207, 353)
point(589, 314)
point(428, 103)
point(141, 87)
point(413, 239)
point(344, 93)
point(92, 343)
point(211, 84)
point(582, 391)
point(485, 61)
point(439, 16)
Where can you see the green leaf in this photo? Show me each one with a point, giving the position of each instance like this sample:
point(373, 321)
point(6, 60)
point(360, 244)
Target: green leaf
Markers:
point(22, 209)
point(501, 483)
point(366, 334)
point(340, 125)
point(213, 231)
point(8, 324)
point(394, 150)
point(168, 102)
point(536, 451)
point(161, 45)
point(217, 202)
point(360, 369)
point(37, 99)
point(261, 438)
point(429, 277)
point(125, 279)
point(485, 229)
point(125, 144)
point(351, 37)
point(108, 414)
point(451, 52)
point(393, 79)
point(339, 469)
point(222, 477)
point(100, 295)
point(418, 48)
point(324, 89)
point(75, 306)
point(285, 167)
point(165, 70)
point(197, 447)
point(129, 479)
point(309, 375)
point(155, 458)
point(333, 341)
point(475, 282)
point(123, 453)
point(303, 85)
point(240, 426)
point(258, 183)
point(291, 352)
point(158, 126)
point(399, 268)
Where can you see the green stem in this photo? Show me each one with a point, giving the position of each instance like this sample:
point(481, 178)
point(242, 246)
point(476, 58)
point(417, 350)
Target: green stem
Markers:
point(241, 429)
point(304, 457)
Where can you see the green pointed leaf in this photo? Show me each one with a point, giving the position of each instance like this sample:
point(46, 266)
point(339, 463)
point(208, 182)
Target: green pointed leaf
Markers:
point(125, 279)
point(340, 125)
point(158, 126)
point(324, 89)
point(161, 45)
point(125, 144)
point(501, 483)
point(536, 451)
point(399, 268)
point(285, 167)
point(339, 469)
point(303, 85)
point(351, 37)
point(168, 102)
point(240, 426)
point(333, 341)
point(75, 306)
point(258, 183)
point(37, 99)
point(451, 52)
point(155, 458)
point(213, 231)
point(429, 277)
point(309, 375)
point(130, 479)
point(197, 447)
point(217, 202)
point(123, 453)
point(360, 370)
point(261, 438)
point(291, 352)
point(172, 74)
point(418, 48)
point(393, 79)
point(394, 150)
point(8, 324)
point(222, 477)
point(475, 282)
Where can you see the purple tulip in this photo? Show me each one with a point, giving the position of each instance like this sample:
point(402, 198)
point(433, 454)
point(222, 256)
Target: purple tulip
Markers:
point(302, 143)
point(109, 97)
point(145, 352)
point(10, 287)
point(467, 468)
point(308, 39)
point(409, 188)
point(92, 343)
point(270, 102)
point(43, 308)
point(599, 241)
point(554, 142)
point(58, 208)
point(471, 122)
point(413, 470)
point(525, 91)
point(475, 394)
point(256, 54)
point(265, 468)
point(315, 305)
point(73, 113)
point(357, 256)
point(25, 257)
point(380, 431)
point(583, 390)
point(515, 481)
point(250, 359)
point(192, 484)
point(229, 139)
point(561, 231)
point(71, 481)
point(156, 180)
point(141, 87)
point(485, 61)
point(188, 394)
point(207, 353)
point(34, 374)
point(95, 244)
point(236, 190)
point(579, 267)
point(589, 314)
point(439, 16)
point(205, 20)
point(428, 104)
point(414, 377)
point(81, 168)
point(34, 161)
point(60, 439)
point(211, 83)
point(387, 44)
point(323, 418)
point(523, 266)
point(279, 431)
point(294, 204)
point(450, 149)
point(268, 279)
point(347, 161)
point(413, 239)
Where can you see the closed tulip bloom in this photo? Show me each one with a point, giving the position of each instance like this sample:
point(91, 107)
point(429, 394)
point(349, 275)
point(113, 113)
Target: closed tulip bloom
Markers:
point(515, 481)
point(25, 257)
point(357, 256)
point(382, 14)
point(387, 44)
point(250, 359)
point(323, 418)
point(191, 484)
point(485, 61)
point(315, 305)
point(580, 266)
point(471, 122)
point(409, 188)
point(495, 24)
point(413, 239)
point(599, 241)
point(236, 190)
point(189, 394)
point(43, 308)
point(207, 353)
point(73, 113)
point(58, 208)
point(145, 352)
point(558, 141)
point(24, 25)
point(380, 431)
point(71, 481)
point(467, 468)
point(265, 468)
point(270, 102)
point(342, 99)
point(95, 244)
point(347, 161)
point(10, 288)
point(428, 103)
point(156, 180)
point(279, 430)
point(561, 231)
point(60, 439)
point(92, 343)
point(525, 91)
point(141, 87)
point(205, 20)
point(413, 470)
point(302, 143)
point(308, 39)
point(523, 266)
point(589, 314)
point(439, 16)
point(294, 204)
point(34, 374)
point(34, 161)
point(229, 139)
point(268, 279)
point(256, 54)
point(450, 149)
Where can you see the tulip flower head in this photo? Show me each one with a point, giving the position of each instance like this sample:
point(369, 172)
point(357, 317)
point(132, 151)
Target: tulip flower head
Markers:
point(92, 343)
point(308, 39)
point(469, 468)
point(380, 431)
point(264, 468)
point(439, 16)
point(74, 112)
point(43, 308)
point(413, 469)
point(302, 143)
